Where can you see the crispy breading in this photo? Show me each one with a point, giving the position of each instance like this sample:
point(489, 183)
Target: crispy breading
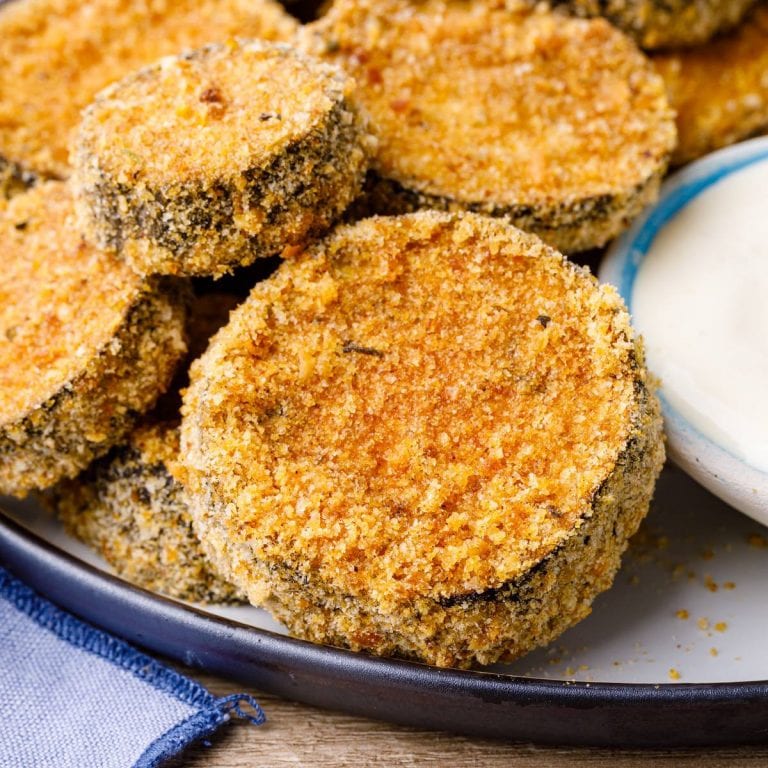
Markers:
point(719, 90)
point(129, 509)
point(414, 436)
point(656, 24)
point(56, 55)
point(206, 161)
point(85, 344)
point(556, 122)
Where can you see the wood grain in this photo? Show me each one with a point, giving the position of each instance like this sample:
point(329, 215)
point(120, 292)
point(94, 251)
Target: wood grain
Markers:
point(304, 737)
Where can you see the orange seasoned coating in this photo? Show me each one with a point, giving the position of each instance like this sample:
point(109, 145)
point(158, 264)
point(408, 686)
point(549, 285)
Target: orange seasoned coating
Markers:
point(85, 344)
point(416, 414)
point(129, 509)
point(61, 300)
point(559, 123)
point(719, 90)
point(56, 55)
point(658, 24)
point(205, 161)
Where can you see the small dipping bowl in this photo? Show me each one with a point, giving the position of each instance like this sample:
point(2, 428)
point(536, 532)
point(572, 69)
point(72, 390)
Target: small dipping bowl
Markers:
point(693, 271)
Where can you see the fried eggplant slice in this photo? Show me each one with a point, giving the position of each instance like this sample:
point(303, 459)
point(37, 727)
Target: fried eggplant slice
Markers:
point(719, 90)
point(656, 24)
point(558, 123)
point(209, 160)
point(428, 435)
point(86, 345)
point(129, 509)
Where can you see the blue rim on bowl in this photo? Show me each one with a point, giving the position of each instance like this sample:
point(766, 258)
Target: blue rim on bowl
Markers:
point(742, 486)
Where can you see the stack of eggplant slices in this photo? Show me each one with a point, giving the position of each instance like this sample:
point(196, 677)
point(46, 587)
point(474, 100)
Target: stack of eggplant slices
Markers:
point(284, 312)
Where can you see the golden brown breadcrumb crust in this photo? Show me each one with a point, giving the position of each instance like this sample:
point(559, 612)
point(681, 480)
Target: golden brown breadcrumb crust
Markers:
point(556, 122)
point(129, 509)
point(406, 436)
point(56, 55)
point(208, 160)
point(719, 90)
point(85, 344)
point(658, 24)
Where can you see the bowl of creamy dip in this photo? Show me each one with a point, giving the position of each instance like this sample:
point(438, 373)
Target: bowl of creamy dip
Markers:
point(693, 270)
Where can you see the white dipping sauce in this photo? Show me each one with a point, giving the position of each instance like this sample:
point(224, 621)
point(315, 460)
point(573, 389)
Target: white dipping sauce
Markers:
point(700, 299)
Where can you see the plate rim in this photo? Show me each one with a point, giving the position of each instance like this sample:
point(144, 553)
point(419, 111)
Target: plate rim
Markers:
point(599, 713)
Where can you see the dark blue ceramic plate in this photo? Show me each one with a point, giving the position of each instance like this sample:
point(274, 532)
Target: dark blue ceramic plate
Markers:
point(637, 615)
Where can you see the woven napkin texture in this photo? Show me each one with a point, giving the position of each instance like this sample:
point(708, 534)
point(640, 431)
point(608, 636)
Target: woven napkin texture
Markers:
point(73, 696)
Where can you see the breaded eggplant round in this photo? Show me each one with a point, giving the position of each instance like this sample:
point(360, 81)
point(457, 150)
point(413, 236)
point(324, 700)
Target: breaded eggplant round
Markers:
point(86, 345)
point(56, 55)
point(658, 24)
point(558, 123)
point(428, 435)
point(206, 161)
point(719, 90)
point(128, 508)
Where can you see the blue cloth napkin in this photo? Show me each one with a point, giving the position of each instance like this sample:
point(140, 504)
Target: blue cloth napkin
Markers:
point(72, 696)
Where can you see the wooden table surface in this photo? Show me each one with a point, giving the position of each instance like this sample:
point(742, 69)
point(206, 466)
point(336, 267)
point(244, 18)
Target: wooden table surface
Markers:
point(304, 737)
